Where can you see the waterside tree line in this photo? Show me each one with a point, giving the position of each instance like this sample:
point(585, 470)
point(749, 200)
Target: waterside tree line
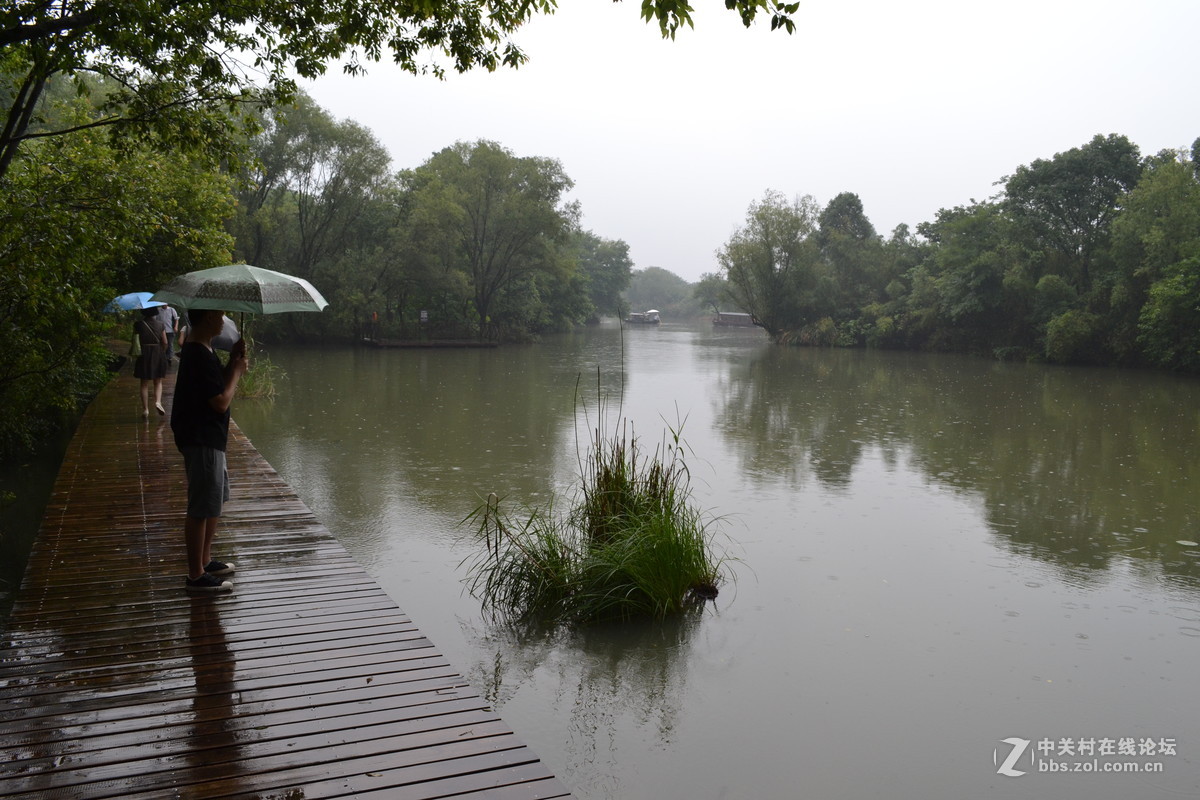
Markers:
point(477, 242)
point(1091, 256)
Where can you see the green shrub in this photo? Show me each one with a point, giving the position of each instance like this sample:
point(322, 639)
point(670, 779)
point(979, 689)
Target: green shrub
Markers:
point(1074, 337)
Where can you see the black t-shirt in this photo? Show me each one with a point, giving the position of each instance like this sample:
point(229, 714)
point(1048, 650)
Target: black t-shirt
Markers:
point(200, 378)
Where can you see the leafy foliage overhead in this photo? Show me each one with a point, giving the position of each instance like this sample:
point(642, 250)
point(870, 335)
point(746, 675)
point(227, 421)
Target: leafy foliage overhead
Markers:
point(177, 69)
point(80, 230)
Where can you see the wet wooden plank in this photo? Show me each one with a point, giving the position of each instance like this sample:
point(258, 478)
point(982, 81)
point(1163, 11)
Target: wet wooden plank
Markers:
point(306, 681)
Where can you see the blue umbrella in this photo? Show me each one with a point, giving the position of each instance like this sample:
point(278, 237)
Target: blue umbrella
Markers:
point(131, 301)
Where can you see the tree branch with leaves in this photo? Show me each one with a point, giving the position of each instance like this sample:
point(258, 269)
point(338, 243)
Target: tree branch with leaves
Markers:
point(224, 55)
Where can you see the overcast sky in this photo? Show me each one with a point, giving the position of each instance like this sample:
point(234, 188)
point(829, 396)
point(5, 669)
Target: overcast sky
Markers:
point(914, 106)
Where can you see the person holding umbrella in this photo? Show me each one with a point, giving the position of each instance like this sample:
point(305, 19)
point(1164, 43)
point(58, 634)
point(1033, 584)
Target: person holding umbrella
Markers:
point(204, 391)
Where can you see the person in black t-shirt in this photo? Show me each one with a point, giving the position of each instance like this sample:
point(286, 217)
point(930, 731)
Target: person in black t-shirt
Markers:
point(204, 391)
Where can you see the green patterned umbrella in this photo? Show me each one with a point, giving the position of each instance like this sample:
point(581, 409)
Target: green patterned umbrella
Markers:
point(241, 287)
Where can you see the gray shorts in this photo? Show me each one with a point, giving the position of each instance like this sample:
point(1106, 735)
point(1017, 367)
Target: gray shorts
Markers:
point(208, 481)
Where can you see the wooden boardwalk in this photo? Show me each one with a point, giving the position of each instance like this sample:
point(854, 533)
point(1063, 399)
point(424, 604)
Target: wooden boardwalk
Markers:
point(306, 681)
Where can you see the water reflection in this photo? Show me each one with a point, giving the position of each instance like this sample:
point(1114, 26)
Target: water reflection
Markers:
point(1075, 467)
point(939, 552)
point(212, 736)
point(439, 427)
point(605, 681)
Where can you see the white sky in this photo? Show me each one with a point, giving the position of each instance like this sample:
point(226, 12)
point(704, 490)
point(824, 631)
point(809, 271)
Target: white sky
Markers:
point(914, 106)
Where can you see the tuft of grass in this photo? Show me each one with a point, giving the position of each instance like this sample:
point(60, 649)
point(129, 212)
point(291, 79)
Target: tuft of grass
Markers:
point(260, 380)
point(631, 545)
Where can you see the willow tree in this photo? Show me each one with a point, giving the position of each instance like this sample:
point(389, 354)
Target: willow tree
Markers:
point(773, 264)
point(317, 173)
point(506, 217)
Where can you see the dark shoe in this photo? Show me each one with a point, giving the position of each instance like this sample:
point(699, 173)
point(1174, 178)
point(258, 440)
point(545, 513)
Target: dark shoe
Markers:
point(208, 583)
point(219, 568)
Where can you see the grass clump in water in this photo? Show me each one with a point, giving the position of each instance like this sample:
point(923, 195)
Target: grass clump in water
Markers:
point(633, 544)
point(260, 380)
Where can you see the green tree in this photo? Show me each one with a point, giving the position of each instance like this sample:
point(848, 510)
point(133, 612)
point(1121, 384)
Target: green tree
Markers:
point(1158, 226)
point(544, 301)
point(606, 268)
point(311, 205)
point(973, 280)
point(885, 322)
point(508, 216)
point(1159, 220)
point(318, 172)
point(178, 70)
point(772, 264)
point(853, 254)
point(712, 291)
point(1075, 337)
point(1169, 329)
point(427, 274)
point(904, 251)
point(1065, 206)
point(82, 225)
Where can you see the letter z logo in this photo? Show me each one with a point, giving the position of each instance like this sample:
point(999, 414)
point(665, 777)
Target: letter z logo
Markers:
point(1018, 749)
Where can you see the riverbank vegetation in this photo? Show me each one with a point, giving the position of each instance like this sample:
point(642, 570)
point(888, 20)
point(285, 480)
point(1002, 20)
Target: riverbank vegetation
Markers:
point(135, 147)
point(632, 544)
point(1091, 256)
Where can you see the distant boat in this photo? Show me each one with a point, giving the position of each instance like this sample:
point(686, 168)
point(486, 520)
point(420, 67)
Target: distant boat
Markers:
point(733, 319)
point(644, 317)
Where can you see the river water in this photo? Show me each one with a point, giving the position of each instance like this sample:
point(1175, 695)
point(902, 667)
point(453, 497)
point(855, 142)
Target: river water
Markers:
point(939, 558)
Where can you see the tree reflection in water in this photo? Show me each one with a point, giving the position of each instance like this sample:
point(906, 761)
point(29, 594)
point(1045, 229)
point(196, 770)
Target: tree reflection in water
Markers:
point(1076, 467)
